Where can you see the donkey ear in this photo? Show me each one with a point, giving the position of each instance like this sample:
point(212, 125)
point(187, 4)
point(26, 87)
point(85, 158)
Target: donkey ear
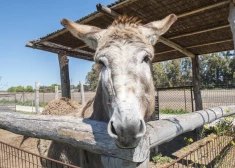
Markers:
point(153, 30)
point(89, 34)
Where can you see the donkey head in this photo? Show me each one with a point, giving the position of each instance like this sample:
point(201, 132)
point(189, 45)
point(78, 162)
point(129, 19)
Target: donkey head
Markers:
point(125, 50)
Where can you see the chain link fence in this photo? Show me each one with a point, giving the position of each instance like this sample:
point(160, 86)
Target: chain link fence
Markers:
point(179, 100)
point(218, 95)
point(8, 102)
point(175, 100)
point(45, 97)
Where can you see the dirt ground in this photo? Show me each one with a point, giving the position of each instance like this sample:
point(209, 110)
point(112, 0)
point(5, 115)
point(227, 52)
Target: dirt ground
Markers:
point(10, 138)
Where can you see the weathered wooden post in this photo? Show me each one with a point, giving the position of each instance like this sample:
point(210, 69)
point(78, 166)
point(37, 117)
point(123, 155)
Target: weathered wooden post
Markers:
point(37, 86)
point(56, 92)
point(196, 90)
point(196, 83)
point(82, 93)
point(64, 76)
point(23, 96)
point(231, 19)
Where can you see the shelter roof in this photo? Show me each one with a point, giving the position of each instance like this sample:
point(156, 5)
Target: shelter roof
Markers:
point(202, 27)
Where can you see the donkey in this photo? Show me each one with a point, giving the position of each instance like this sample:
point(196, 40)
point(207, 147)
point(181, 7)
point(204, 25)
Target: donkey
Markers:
point(125, 92)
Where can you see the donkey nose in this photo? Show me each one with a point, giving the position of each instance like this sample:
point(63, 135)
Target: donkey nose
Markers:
point(126, 133)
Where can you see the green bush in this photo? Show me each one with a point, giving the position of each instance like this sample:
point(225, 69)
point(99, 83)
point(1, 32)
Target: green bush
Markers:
point(161, 159)
point(222, 127)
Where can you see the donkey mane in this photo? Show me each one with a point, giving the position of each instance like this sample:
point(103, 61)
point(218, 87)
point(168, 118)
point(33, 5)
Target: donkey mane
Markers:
point(125, 20)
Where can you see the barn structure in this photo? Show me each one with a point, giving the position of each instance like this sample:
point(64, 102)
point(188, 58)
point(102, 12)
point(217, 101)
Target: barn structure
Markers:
point(202, 27)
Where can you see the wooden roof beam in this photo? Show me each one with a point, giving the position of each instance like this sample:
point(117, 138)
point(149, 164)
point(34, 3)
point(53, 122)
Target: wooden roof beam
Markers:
point(176, 47)
point(199, 45)
point(109, 12)
point(59, 49)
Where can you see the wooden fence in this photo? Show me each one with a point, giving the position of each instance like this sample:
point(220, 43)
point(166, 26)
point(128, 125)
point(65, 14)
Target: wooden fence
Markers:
point(92, 135)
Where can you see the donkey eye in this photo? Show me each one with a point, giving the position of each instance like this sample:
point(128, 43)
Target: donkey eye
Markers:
point(101, 63)
point(146, 59)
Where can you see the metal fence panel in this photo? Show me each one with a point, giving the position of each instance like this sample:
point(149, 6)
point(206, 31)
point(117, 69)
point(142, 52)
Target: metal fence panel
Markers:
point(13, 157)
point(216, 153)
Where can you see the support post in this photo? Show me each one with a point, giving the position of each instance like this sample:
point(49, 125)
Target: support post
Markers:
point(196, 83)
point(82, 93)
point(231, 19)
point(37, 97)
point(56, 92)
point(196, 90)
point(64, 75)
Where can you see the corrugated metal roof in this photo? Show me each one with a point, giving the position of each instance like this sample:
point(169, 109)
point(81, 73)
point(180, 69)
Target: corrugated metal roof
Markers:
point(83, 19)
point(195, 16)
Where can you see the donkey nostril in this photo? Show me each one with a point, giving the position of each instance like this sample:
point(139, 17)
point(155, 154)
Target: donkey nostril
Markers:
point(142, 129)
point(113, 129)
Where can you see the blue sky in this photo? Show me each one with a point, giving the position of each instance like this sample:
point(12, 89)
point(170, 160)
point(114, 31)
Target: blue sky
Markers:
point(25, 20)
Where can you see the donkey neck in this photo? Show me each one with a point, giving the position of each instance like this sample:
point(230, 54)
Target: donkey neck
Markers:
point(100, 111)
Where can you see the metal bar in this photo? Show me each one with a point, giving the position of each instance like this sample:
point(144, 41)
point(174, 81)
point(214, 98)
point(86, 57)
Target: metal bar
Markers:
point(23, 156)
point(178, 87)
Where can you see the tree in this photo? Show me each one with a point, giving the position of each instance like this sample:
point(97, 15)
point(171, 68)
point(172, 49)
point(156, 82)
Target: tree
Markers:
point(52, 87)
point(11, 89)
point(92, 78)
point(20, 88)
point(78, 86)
point(29, 89)
point(186, 71)
point(173, 72)
point(216, 69)
point(232, 68)
point(159, 75)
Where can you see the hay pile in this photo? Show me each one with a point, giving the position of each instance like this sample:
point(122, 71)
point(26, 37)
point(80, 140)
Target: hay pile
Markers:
point(61, 106)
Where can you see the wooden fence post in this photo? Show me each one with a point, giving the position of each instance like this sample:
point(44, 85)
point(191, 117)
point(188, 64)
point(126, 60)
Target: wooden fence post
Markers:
point(37, 86)
point(82, 93)
point(197, 90)
point(196, 83)
point(56, 92)
point(23, 96)
point(231, 19)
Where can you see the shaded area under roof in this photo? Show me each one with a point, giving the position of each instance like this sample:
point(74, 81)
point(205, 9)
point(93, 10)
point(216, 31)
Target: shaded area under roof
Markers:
point(202, 26)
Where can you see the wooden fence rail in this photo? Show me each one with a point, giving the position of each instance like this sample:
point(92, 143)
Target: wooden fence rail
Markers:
point(92, 135)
